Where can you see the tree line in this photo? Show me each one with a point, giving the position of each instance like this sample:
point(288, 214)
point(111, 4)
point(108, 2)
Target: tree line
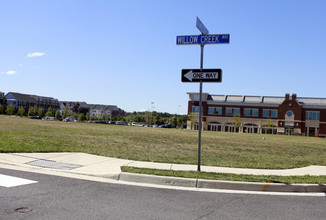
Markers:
point(147, 117)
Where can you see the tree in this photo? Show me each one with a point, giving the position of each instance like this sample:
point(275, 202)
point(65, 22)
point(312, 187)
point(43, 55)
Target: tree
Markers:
point(138, 118)
point(114, 118)
point(32, 111)
point(65, 112)
point(21, 111)
point(10, 110)
point(49, 113)
point(268, 126)
point(40, 112)
point(237, 120)
point(182, 120)
point(102, 115)
point(88, 116)
point(192, 118)
point(1, 109)
point(129, 118)
point(174, 120)
point(74, 115)
point(94, 117)
point(57, 114)
point(148, 117)
point(157, 119)
point(81, 117)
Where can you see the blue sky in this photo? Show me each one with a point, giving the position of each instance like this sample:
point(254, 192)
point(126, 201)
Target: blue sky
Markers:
point(124, 53)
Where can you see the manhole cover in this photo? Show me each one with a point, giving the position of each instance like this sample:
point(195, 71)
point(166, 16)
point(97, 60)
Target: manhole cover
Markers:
point(53, 164)
point(23, 210)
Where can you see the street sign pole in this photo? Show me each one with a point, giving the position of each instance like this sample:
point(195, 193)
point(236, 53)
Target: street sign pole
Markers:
point(209, 75)
point(200, 105)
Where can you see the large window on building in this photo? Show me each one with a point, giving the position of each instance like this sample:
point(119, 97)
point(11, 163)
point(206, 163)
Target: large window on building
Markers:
point(232, 111)
point(215, 110)
point(270, 113)
point(218, 110)
point(195, 109)
point(274, 113)
point(251, 112)
point(312, 116)
point(247, 112)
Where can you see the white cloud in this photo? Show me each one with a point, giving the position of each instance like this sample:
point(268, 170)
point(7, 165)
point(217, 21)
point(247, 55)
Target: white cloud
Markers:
point(36, 54)
point(10, 72)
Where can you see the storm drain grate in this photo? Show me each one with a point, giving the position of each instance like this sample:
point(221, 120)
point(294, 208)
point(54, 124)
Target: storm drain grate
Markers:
point(53, 164)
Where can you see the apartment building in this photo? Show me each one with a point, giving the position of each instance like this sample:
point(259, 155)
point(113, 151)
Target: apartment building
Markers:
point(27, 101)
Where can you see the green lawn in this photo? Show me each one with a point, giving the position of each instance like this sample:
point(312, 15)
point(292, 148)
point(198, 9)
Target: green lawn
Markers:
point(161, 145)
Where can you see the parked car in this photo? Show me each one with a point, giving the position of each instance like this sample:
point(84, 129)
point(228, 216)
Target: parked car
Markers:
point(50, 118)
point(121, 123)
point(170, 126)
point(69, 119)
point(35, 117)
point(167, 126)
point(137, 124)
point(102, 122)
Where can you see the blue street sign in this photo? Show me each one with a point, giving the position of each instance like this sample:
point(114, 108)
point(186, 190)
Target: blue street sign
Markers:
point(203, 39)
point(201, 27)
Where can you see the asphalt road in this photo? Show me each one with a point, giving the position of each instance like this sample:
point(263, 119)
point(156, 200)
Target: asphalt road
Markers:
point(53, 197)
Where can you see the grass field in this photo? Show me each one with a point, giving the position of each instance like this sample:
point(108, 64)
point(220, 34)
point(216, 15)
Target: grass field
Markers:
point(161, 145)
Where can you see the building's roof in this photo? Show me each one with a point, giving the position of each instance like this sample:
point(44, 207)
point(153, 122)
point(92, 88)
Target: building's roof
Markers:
point(30, 98)
point(237, 99)
point(307, 102)
point(71, 104)
point(103, 107)
point(23, 97)
point(261, 100)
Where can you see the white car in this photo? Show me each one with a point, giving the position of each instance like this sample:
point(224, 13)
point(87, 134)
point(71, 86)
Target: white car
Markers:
point(69, 119)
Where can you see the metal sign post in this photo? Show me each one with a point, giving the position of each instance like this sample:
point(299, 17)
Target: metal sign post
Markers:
point(212, 75)
point(200, 106)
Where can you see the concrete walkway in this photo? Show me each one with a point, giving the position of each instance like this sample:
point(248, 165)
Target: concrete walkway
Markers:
point(92, 165)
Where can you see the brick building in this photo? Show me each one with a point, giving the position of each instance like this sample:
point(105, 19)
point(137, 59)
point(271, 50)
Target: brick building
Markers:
point(290, 115)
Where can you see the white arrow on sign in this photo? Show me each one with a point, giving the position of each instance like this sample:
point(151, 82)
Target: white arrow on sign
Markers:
point(189, 75)
point(201, 75)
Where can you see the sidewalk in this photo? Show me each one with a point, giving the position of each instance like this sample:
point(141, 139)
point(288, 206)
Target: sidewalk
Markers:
point(99, 166)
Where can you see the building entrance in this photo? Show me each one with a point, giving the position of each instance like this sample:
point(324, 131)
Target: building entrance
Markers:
point(214, 126)
point(288, 131)
point(231, 128)
point(250, 128)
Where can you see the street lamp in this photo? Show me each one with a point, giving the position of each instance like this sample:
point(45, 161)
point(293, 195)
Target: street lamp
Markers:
point(152, 112)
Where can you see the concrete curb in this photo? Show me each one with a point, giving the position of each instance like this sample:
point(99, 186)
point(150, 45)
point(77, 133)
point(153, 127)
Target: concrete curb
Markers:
point(218, 184)
point(160, 180)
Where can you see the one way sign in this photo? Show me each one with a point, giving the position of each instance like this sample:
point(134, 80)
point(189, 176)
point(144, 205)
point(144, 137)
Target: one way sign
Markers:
point(204, 75)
